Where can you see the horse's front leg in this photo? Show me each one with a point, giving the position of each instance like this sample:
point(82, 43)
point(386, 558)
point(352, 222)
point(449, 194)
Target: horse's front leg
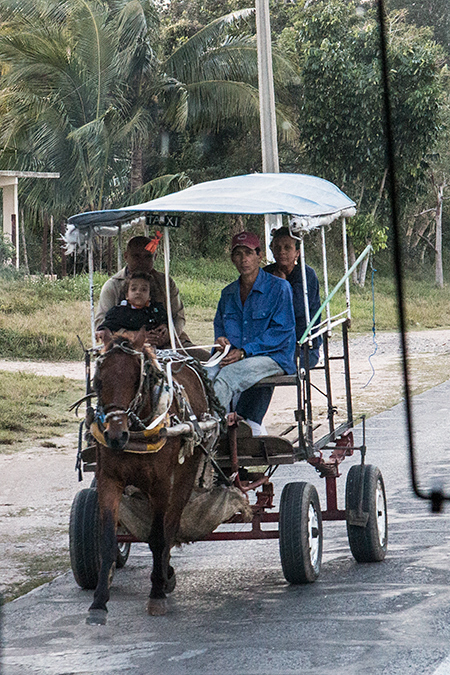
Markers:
point(157, 542)
point(109, 496)
point(165, 527)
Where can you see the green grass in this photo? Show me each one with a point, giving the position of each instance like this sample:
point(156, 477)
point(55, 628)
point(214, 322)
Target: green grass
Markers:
point(35, 408)
point(41, 319)
point(36, 570)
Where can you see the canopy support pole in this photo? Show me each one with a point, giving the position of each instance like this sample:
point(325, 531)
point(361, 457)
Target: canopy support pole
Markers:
point(119, 249)
point(166, 276)
point(347, 276)
point(91, 284)
point(304, 281)
point(325, 276)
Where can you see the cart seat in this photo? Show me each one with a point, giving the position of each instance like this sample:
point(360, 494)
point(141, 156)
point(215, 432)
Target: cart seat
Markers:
point(278, 381)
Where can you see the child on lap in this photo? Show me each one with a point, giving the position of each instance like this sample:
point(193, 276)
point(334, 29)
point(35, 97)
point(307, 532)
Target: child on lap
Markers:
point(137, 311)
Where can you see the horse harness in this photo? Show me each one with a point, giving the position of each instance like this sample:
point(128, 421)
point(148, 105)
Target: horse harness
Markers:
point(156, 380)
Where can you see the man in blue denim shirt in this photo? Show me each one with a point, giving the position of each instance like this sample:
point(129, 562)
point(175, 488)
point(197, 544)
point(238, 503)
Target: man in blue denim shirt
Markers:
point(253, 405)
point(255, 316)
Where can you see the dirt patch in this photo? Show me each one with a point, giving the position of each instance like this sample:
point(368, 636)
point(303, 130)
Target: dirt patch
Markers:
point(39, 483)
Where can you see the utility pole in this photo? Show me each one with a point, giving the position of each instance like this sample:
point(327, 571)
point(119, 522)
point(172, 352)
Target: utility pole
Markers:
point(269, 144)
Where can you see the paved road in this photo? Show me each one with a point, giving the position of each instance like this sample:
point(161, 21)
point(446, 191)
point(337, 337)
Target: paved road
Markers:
point(233, 613)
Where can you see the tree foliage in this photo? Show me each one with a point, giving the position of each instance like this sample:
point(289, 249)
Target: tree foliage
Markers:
point(85, 89)
point(340, 110)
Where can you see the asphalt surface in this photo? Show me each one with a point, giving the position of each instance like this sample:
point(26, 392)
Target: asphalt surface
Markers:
point(233, 612)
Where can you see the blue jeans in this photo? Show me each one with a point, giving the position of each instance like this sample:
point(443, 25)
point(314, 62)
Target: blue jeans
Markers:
point(253, 403)
point(239, 376)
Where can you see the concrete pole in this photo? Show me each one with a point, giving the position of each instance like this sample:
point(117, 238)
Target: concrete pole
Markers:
point(269, 144)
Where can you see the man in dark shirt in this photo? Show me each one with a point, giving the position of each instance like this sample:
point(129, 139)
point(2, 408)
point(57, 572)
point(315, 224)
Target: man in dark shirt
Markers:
point(286, 251)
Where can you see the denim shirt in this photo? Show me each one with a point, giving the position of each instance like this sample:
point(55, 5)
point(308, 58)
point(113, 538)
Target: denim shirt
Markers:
point(264, 325)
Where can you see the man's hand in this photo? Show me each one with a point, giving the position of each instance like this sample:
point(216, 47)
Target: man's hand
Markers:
point(158, 336)
point(222, 342)
point(104, 336)
point(232, 356)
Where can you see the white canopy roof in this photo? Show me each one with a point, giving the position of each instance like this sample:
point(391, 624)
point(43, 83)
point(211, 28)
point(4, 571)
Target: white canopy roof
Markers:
point(310, 200)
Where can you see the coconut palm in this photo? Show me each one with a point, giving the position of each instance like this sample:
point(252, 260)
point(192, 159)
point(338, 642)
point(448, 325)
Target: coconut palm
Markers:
point(84, 90)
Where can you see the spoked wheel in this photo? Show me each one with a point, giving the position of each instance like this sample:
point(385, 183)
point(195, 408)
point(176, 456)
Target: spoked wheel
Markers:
point(301, 536)
point(84, 538)
point(368, 542)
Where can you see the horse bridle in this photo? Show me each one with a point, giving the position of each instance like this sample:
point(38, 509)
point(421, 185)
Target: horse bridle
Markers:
point(102, 417)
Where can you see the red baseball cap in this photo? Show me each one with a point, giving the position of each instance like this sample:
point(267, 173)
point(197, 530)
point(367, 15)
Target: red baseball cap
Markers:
point(245, 239)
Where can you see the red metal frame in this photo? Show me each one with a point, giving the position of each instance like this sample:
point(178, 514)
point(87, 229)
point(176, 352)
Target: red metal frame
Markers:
point(328, 468)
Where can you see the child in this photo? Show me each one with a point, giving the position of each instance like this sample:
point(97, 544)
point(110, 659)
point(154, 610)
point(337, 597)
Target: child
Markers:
point(137, 310)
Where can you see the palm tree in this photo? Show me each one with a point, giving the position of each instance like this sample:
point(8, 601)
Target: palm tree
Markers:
point(84, 90)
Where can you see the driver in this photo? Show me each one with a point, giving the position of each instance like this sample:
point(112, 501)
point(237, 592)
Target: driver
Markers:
point(253, 405)
point(255, 316)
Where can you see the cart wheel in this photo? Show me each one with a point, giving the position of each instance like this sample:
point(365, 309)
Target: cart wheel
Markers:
point(84, 538)
point(367, 543)
point(123, 548)
point(301, 536)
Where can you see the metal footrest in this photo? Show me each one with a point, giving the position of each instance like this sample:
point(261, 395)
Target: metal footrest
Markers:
point(257, 451)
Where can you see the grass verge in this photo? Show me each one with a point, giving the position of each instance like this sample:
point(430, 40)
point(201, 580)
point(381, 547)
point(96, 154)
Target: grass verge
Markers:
point(34, 571)
point(35, 408)
point(41, 319)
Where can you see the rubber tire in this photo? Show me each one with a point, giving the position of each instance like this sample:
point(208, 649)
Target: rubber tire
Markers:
point(84, 538)
point(296, 501)
point(369, 543)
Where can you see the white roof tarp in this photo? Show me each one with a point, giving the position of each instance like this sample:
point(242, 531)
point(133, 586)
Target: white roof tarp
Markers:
point(310, 200)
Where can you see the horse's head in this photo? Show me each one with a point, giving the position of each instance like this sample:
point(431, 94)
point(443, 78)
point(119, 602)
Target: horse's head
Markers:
point(118, 383)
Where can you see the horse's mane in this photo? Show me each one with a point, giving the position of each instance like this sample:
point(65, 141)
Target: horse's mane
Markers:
point(126, 339)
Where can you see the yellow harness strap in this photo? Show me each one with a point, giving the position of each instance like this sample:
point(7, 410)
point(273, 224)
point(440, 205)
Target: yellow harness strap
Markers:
point(149, 438)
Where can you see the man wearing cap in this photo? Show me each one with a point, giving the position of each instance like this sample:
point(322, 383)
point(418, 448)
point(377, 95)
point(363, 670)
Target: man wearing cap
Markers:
point(140, 256)
point(255, 316)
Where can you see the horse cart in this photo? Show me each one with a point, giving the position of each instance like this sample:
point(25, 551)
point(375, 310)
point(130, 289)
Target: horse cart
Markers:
point(240, 463)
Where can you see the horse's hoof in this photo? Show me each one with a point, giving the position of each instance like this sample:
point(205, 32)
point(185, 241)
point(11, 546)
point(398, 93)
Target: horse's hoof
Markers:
point(157, 606)
point(97, 617)
point(171, 581)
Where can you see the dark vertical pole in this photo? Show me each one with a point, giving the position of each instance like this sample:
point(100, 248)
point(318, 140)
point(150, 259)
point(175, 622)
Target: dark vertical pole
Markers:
point(24, 242)
point(44, 244)
point(392, 184)
point(14, 238)
point(309, 419)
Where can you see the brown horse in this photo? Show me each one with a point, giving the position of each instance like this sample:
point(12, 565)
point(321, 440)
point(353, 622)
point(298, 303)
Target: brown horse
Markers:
point(133, 451)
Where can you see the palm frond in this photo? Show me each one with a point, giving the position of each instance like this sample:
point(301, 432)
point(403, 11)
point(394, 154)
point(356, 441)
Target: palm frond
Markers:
point(159, 187)
point(185, 57)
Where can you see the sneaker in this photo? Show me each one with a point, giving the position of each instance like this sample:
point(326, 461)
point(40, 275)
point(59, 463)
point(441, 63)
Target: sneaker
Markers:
point(257, 429)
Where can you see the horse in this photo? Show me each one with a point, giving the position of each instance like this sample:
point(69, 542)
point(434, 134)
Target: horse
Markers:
point(140, 433)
